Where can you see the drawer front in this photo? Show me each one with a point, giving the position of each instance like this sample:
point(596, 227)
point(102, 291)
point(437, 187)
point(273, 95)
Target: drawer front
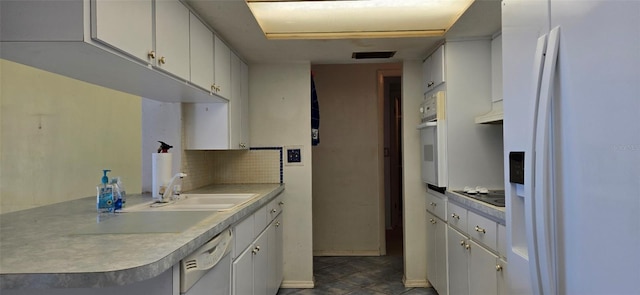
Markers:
point(437, 206)
point(274, 208)
point(457, 216)
point(482, 230)
point(260, 220)
point(244, 235)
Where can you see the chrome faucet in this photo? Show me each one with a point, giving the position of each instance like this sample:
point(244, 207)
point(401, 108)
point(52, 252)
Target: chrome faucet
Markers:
point(168, 192)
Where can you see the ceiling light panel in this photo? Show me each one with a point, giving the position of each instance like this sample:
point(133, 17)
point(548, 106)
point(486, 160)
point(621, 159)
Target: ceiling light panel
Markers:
point(378, 18)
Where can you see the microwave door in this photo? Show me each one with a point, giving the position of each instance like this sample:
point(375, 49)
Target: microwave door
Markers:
point(429, 152)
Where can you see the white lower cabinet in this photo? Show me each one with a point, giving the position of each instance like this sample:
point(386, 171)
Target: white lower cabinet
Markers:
point(257, 268)
point(457, 250)
point(474, 264)
point(437, 253)
point(483, 278)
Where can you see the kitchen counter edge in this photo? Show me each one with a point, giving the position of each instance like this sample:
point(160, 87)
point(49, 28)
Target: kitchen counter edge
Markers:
point(144, 271)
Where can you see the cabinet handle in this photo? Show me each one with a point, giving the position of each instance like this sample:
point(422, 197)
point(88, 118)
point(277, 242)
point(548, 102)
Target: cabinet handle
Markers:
point(162, 60)
point(274, 210)
point(433, 204)
point(456, 216)
point(462, 243)
point(498, 267)
point(281, 203)
point(151, 54)
point(480, 230)
point(430, 83)
point(467, 246)
point(214, 88)
point(257, 248)
point(254, 251)
point(433, 221)
point(242, 145)
point(277, 223)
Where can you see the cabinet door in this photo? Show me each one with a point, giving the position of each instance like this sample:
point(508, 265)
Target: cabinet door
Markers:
point(172, 38)
point(261, 265)
point(458, 267)
point(235, 105)
point(426, 74)
point(483, 278)
point(431, 250)
point(441, 256)
point(243, 273)
point(437, 67)
point(222, 68)
point(244, 104)
point(124, 25)
point(201, 51)
point(206, 126)
point(501, 268)
point(272, 275)
point(279, 251)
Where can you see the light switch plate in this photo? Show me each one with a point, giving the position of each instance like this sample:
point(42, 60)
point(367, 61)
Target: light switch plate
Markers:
point(294, 155)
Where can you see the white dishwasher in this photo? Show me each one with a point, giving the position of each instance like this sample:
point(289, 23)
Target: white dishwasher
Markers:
point(207, 271)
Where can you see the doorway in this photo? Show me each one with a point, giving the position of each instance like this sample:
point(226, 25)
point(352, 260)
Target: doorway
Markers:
point(392, 126)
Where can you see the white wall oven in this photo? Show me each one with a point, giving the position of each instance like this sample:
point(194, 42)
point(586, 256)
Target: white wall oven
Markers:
point(433, 140)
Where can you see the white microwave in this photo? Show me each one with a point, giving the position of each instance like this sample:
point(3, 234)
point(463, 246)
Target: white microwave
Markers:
point(433, 140)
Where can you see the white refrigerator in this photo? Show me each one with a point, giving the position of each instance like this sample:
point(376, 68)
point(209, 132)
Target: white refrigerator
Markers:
point(571, 86)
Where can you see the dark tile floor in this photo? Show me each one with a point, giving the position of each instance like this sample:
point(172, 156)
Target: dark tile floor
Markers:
point(356, 275)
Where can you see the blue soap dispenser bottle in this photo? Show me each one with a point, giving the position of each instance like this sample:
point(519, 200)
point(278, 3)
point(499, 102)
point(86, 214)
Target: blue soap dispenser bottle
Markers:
point(105, 202)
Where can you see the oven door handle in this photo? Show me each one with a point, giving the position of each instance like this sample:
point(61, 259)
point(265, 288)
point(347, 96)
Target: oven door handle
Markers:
point(428, 124)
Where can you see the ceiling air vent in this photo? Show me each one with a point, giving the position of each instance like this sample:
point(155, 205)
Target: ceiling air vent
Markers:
point(372, 54)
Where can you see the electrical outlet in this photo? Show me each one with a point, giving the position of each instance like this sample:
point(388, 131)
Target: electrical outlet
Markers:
point(294, 155)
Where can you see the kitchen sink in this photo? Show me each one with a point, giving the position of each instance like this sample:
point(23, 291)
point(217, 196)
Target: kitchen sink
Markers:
point(196, 202)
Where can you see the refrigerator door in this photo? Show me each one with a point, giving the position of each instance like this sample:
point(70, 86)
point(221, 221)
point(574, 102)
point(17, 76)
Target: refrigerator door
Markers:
point(523, 22)
point(596, 135)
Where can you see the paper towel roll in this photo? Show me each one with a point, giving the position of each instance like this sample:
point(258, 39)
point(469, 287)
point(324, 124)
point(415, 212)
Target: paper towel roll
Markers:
point(160, 172)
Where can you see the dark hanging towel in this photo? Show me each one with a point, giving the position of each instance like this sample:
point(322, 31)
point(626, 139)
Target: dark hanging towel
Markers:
point(315, 115)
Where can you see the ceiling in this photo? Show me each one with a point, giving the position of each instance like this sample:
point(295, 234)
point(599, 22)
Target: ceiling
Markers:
point(233, 22)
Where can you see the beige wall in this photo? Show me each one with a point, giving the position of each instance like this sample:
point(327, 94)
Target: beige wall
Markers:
point(347, 180)
point(280, 115)
point(414, 201)
point(57, 135)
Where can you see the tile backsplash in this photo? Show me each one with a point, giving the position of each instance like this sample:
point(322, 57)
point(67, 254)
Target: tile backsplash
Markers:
point(230, 166)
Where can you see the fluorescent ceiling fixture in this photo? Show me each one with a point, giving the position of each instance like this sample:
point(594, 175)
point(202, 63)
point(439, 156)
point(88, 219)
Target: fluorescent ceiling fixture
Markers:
point(325, 19)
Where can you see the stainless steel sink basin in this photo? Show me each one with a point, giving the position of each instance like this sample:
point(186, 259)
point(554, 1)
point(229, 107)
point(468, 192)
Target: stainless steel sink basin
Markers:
point(196, 202)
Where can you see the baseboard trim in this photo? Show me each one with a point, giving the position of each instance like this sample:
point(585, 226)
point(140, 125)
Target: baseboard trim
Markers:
point(347, 253)
point(415, 283)
point(297, 284)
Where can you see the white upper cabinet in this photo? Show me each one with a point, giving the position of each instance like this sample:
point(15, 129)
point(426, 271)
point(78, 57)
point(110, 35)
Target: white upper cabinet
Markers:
point(201, 44)
point(124, 25)
point(222, 69)
point(239, 105)
point(206, 126)
point(244, 102)
point(433, 70)
point(128, 46)
point(172, 38)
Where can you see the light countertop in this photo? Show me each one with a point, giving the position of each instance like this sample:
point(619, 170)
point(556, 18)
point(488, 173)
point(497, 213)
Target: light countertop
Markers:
point(496, 213)
point(44, 248)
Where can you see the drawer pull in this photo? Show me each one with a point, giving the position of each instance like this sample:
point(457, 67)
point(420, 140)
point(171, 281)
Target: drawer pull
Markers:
point(456, 216)
point(277, 223)
point(462, 243)
point(480, 230)
point(274, 210)
point(467, 246)
point(433, 204)
point(280, 203)
point(498, 267)
point(433, 221)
